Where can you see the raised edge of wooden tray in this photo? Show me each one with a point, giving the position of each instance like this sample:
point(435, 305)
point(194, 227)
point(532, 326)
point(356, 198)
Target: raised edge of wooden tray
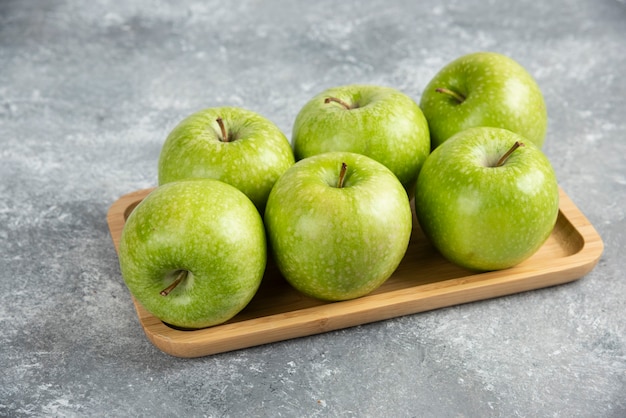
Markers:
point(423, 281)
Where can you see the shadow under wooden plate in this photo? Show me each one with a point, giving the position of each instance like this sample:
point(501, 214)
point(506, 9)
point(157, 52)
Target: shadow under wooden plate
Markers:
point(423, 281)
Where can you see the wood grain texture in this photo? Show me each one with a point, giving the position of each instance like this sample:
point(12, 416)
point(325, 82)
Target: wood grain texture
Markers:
point(423, 281)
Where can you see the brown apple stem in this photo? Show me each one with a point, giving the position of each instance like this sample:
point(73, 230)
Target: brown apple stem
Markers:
point(457, 96)
point(507, 154)
point(337, 100)
point(181, 276)
point(220, 122)
point(342, 175)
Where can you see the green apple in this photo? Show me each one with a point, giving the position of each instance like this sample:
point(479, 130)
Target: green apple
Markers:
point(487, 199)
point(484, 89)
point(231, 144)
point(193, 252)
point(338, 224)
point(376, 121)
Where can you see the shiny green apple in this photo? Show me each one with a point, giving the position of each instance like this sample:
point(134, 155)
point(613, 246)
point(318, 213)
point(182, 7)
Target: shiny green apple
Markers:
point(231, 144)
point(484, 89)
point(193, 252)
point(376, 121)
point(482, 207)
point(338, 224)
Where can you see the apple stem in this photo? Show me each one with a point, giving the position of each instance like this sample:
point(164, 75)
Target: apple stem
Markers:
point(457, 96)
point(220, 122)
point(507, 154)
point(181, 276)
point(342, 175)
point(337, 100)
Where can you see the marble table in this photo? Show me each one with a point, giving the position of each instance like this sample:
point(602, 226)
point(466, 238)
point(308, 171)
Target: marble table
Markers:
point(88, 93)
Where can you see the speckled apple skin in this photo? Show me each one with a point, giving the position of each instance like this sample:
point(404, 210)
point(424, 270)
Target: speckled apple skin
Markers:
point(498, 92)
point(206, 227)
point(483, 217)
point(386, 125)
point(338, 243)
point(252, 161)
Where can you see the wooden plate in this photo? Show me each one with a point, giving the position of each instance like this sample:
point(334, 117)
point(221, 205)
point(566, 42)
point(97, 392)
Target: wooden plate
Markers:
point(423, 281)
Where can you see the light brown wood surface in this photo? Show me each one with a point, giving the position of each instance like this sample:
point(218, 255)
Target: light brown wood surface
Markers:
point(423, 281)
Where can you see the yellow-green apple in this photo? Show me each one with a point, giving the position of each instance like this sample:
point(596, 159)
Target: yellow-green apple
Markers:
point(484, 89)
point(487, 198)
point(338, 224)
point(193, 252)
point(380, 122)
point(231, 144)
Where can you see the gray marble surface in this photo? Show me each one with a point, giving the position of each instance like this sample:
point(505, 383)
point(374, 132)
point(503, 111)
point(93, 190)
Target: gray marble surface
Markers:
point(88, 92)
